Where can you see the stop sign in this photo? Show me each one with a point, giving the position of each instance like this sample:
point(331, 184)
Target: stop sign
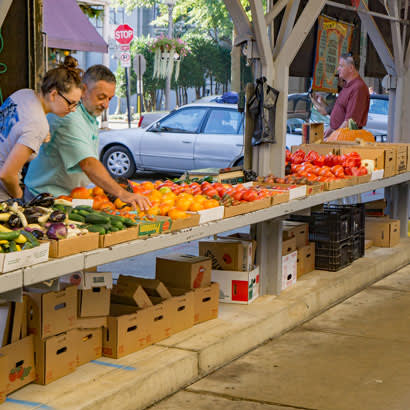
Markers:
point(124, 34)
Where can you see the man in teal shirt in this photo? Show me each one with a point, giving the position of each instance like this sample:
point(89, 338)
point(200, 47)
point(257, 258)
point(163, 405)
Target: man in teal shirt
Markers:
point(70, 159)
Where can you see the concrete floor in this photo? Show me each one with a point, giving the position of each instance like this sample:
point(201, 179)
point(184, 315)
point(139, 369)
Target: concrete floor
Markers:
point(354, 356)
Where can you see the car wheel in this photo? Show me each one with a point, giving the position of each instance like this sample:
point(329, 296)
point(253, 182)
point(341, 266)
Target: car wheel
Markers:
point(119, 162)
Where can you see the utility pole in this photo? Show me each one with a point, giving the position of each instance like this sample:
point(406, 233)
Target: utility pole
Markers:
point(170, 4)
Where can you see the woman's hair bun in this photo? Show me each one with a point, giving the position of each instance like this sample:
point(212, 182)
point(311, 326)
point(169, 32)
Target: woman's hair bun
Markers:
point(70, 62)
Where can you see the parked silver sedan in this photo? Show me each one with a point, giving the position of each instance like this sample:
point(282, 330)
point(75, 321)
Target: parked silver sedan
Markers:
point(194, 136)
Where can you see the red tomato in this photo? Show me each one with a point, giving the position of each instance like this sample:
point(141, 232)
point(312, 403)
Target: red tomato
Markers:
point(250, 195)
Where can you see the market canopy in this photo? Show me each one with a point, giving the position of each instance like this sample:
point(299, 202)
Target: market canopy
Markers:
point(67, 27)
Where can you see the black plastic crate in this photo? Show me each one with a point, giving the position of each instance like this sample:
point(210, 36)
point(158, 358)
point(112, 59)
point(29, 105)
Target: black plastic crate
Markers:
point(329, 225)
point(358, 245)
point(333, 255)
point(357, 215)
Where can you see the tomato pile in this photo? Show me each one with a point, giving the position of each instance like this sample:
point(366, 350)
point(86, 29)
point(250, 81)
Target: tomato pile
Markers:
point(324, 168)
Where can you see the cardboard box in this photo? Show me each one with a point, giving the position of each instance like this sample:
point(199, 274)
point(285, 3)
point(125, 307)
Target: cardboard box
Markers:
point(56, 356)
point(184, 271)
point(88, 280)
point(114, 238)
point(20, 369)
point(129, 291)
point(16, 260)
point(306, 259)
point(206, 303)
point(191, 220)
point(90, 322)
point(383, 232)
point(3, 378)
point(288, 246)
point(51, 313)
point(159, 322)
point(237, 287)
point(152, 287)
point(312, 133)
point(212, 214)
point(368, 243)
point(94, 302)
point(153, 228)
point(251, 251)
point(89, 344)
point(246, 207)
point(181, 310)
point(228, 254)
point(125, 334)
point(6, 321)
point(298, 230)
point(289, 269)
point(71, 246)
point(400, 155)
point(294, 192)
point(279, 197)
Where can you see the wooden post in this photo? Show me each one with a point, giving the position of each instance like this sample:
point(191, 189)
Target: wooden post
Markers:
point(249, 127)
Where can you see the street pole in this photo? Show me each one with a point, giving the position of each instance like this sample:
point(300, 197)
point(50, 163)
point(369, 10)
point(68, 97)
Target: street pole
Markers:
point(128, 95)
point(168, 79)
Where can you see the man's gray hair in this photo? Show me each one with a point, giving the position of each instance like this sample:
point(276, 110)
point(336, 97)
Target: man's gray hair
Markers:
point(98, 72)
point(352, 59)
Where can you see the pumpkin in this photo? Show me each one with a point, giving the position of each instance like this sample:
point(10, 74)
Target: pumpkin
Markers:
point(352, 133)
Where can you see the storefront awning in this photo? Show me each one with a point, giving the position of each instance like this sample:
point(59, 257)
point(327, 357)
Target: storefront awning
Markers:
point(67, 27)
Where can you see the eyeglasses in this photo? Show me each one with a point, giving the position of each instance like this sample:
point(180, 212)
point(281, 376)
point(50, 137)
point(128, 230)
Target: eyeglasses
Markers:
point(71, 104)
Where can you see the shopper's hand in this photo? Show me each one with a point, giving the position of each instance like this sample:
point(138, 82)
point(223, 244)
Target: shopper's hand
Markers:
point(327, 133)
point(136, 200)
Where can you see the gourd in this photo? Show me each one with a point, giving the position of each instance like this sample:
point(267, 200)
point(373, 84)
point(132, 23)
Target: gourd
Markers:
point(352, 133)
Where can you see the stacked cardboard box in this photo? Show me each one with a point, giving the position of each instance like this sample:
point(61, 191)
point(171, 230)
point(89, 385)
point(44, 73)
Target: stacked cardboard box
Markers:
point(16, 348)
point(305, 250)
point(233, 267)
point(383, 232)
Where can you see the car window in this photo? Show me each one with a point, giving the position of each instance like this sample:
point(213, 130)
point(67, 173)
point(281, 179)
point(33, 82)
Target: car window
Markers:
point(186, 120)
point(294, 126)
point(222, 121)
point(379, 106)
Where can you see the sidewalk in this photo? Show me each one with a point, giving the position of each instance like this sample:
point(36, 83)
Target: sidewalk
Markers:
point(332, 362)
point(354, 356)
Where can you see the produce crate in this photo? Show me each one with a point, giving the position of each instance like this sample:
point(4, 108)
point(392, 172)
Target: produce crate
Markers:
point(357, 215)
point(330, 225)
point(333, 255)
point(358, 245)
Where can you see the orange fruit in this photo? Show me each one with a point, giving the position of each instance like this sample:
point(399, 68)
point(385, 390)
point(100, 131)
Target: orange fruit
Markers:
point(183, 204)
point(147, 185)
point(98, 191)
point(119, 204)
point(164, 208)
point(154, 210)
point(196, 206)
point(107, 205)
point(210, 203)
point(199, 198)
point(175, 213)
point(80, 193)
point(155, 196)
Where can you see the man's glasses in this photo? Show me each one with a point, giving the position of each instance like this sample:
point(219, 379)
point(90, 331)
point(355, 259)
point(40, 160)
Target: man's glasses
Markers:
point(71, 104)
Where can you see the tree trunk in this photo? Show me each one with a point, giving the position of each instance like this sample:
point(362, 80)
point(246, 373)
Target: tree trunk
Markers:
point(185, 95)
point(178, 101)
point(118, 107)
point(198, 92)
point(235, 65)
point(210, 83)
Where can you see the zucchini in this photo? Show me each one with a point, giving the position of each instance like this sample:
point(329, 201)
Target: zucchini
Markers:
point(84, 208)
point(119, 225)
point(83, 212)
point(96, 219)
point(27, 245)
point(12, 246)
point(97, 228)
point(76, 217)
point(129, 222)
point(9, 236)
point(30, 238)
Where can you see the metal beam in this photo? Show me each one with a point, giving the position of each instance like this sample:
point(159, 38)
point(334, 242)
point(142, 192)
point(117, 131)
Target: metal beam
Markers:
point(4, 9)
point(261, 34)
point(377, 38)
point(286, 26)
point(240, 20)
point(274, 11)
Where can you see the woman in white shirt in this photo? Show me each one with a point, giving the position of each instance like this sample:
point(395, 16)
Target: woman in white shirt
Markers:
point(23, 122)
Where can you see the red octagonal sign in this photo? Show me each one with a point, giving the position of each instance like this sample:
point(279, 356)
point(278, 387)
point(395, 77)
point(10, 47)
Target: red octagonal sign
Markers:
point(124, 34)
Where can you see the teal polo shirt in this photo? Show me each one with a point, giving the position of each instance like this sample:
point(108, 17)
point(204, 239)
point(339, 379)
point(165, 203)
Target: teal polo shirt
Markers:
point(56, 168)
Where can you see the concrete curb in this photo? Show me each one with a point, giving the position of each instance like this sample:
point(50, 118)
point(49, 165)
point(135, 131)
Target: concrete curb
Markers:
point(183, 358)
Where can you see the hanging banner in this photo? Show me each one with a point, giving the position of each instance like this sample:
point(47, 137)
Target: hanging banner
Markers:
point(333, 39)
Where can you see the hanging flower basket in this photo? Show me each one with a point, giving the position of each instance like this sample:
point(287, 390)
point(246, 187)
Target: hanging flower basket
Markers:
point(168, 54)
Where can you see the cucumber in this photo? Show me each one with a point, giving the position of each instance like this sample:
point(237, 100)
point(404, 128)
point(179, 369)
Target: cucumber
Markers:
point(30, 238)
point(84, 208)
point(116, 218)
point(9, 236)
point(27, 245)
point(115, 229)
point(119, 225)
point(97, 228)
point(94, 218)
point(12, 246)
point(129, 222)
point(83, 212)
point(76, 217)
